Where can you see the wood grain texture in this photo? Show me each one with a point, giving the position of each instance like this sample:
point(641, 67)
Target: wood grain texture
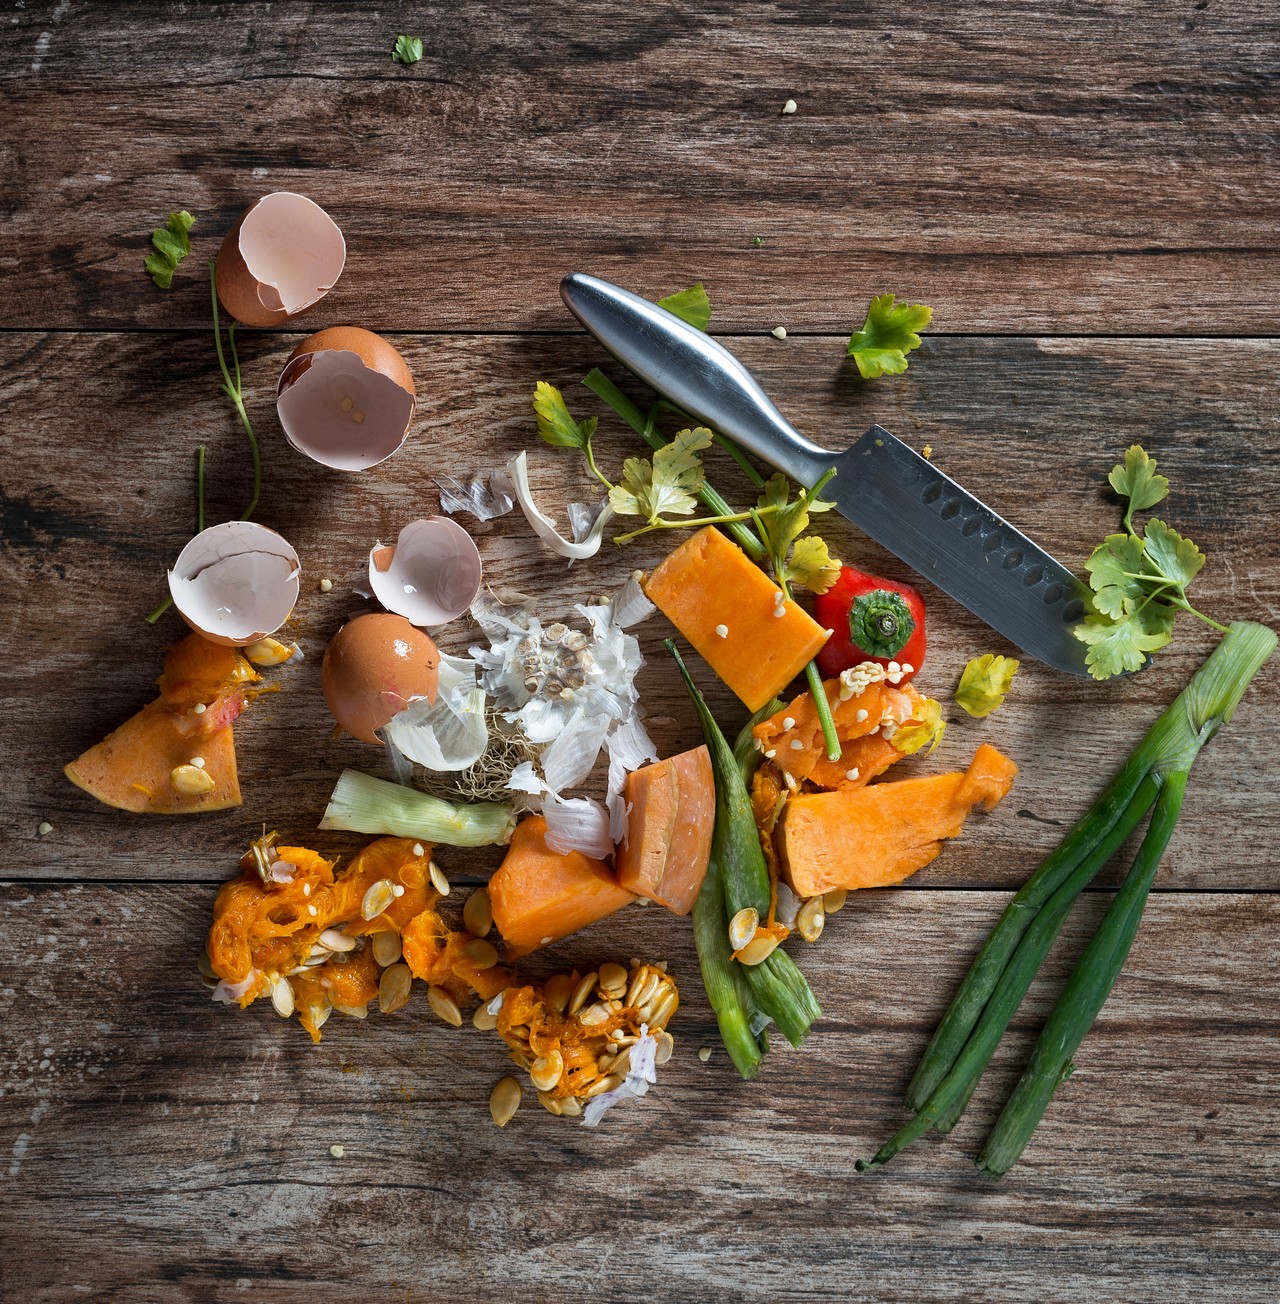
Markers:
point(101, 502)
point(1022, 169)
point(173, 1149)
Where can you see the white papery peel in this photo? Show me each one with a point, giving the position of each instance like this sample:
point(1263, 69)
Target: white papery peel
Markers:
point(642, 1073)
point(543, 526)
point(449, 734)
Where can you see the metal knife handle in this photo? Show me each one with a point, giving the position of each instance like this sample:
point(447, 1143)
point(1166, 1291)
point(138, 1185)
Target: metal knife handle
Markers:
point(688, 367)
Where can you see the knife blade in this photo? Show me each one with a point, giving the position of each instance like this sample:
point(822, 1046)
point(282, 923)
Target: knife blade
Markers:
point(884, 487)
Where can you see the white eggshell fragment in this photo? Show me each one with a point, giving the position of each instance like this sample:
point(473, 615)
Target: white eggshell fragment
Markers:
point(346, 398)
point(431, 574)
point(235, 583)
point(284, 254)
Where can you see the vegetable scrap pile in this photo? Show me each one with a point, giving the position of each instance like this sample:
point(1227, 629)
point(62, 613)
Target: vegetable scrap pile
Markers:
point(491, 744)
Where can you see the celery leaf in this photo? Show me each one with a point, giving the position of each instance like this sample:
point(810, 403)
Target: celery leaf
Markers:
point(887, 336)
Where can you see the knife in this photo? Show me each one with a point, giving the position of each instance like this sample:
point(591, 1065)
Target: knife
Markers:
point(885, 488)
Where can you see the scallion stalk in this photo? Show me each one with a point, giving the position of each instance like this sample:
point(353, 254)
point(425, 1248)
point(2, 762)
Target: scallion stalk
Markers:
point(364, 804)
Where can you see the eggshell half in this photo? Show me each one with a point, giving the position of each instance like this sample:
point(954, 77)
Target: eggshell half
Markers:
point(235, 583)
point(284, 254)
point(346, 398)
point(374, 666)
point(430, 575)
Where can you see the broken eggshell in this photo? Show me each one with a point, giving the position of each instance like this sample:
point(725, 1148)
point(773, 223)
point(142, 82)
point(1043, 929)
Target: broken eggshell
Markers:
point(430, 575)
point(235, 583)
point(346, 398)
point(284, 254)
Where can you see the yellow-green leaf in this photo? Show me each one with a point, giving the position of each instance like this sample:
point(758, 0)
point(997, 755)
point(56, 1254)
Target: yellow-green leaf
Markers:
point(925, 728)
point(887, 336)
point(812, 565)
point(691, 305)
point(984, 683)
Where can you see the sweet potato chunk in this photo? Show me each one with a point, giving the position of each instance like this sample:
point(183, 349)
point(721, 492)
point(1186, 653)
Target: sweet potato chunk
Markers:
point(540, 895)
point(669, 826)
point(709, 583)
point(876, 836)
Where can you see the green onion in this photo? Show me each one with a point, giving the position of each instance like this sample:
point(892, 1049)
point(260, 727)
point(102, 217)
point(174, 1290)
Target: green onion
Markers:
point(994, 987)
point(363, 804)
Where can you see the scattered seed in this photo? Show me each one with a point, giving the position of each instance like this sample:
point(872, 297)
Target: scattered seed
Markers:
point(282, 997)
point(438, 880)
point(483, 1020)
point(204, 965)
point(386, 947)
point(601, 1085)
point(641, 992)
point(852, 775)
point(44, 828)
point(269, 652)
point(704, 1053)
point(191, 780)
point(546, 941)
point(722, 631)
point(199, 708)
point(666, 1007)
point(547, 1071)
point(860, 715)
point(789, 722)
point(594, 1014)
point(377, 898)
point(325, 585)
point(477, 913)
point(504, 1100)
point(797, 745)
point(834, 900)
point(337, 1151)
point(333, 939)
point(443, 1004)
point(570, 1106)
point(789, 107)
point(758, 950)
point(779, 332)
point(312, 911)
point(550, 1104)
point(394, 988)
point(352, 1011)
point(197, 761)
point(742, 927)
point(481, 953)
point(810, 919)
point(666, 1046)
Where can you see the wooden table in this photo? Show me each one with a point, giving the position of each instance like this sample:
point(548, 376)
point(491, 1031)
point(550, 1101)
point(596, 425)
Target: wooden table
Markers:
point(1087, 197)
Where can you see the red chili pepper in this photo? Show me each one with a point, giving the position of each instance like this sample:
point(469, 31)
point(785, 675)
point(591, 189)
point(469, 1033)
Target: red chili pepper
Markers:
point(873, 619)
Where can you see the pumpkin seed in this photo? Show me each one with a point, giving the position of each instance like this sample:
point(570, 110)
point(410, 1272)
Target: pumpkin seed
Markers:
point(269, 652)
point(483, 1020)
point(443, 1004)
point(477, 914)
point(601, 1085)
point(582, 992)
point(320, 1014)
point(639, 976)
point(191, 780)
point(570, 1106)
point(612, 980)
point(642, 994)
point(666, 1046)
point(593, 1015)
point(352, 1011)
point(810, 919)
point(438, 880)
point(481, 953)
point(758, 950)
point(834, 900)
point(550, 1104)
point(547, 1071)
point(333, 939)
point(282, 997)
point(665, 1008)
point(394, 987)
point(742, 927)
point(557, 990)
point(377, 898)
point(386, 947)
point(204, 965)
point(504, 1100)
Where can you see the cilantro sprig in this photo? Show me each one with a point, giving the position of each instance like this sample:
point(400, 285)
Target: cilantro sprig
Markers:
point(172, 243)
point(1139, 577)
point(889, 333)
point(408, 50)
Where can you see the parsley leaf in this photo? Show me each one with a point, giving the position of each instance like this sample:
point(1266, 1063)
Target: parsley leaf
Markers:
point(408, 50)
point(812, 565)
point(1119, 645)
point(666, 484)
point(926, 727)
point(1135, 479)
point(1115, 567)
point(172, 244)
point(887, 336)
point(691, 305)
point(555, 425)
point(984, 683)
point(1176, 558)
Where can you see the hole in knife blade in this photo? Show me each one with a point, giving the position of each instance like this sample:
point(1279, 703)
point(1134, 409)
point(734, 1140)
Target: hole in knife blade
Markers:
point(991, 543)
point(931, 494)
point(1052, 593)
point(1073, 611)
point(1033, 575)
point(1013, 558)
point(951, 509)
point(971, 527)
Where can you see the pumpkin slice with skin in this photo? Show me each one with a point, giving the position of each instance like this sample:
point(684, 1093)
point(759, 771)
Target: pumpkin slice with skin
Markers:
point(668, 841)
point(879, 835)
point(201, 692)
point(539, 895)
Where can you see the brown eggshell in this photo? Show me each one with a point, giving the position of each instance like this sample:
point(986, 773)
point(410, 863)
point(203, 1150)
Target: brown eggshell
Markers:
point(346, 398)
point(306, 239)
point(373, 667)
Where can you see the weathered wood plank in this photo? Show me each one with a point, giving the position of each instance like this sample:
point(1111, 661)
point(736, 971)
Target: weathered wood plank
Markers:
point(1016, 170)
point(98, 500)
point(171, 1149)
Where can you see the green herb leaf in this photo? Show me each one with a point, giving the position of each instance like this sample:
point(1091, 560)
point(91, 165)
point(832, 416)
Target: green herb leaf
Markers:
point(555, 425)
point(408, 50)
point(984, 683)
point(691, 305)
point(667, 485)
point(1176, 558)
point(1112, 569)
point(172, 244)
point(1119, 645)
point(1135, 479)
point(925, 728)
point(812, 565)
point(887, 336)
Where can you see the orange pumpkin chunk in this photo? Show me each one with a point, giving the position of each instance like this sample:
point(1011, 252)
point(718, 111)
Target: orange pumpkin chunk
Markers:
point(728, 608)
point(877, 836)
